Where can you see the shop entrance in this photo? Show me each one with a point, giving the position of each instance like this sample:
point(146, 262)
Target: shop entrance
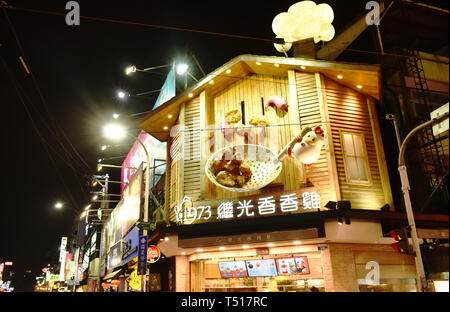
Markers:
point(255, 274)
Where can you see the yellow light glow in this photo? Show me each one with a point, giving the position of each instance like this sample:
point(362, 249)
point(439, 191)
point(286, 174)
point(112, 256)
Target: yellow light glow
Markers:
point(211, 82)
point(199, 249)
point(165, 128)
point(95, 197)
point(303, 67)
point(246, 246)
point(183, 253)
point(258, 63)
point(191, 95)
point(270, 244)
point(359, 86)
point(340, 76)
point(222, 248)
point(297, 242)
point(169, 116)
point(166, 239)
point(114, 131)
point(228, 71)
point(276, 65)
point(441, 286)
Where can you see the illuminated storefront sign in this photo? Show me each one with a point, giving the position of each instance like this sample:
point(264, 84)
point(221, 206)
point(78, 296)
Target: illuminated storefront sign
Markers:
point(135, 280)
point(186, 213)
point(251, 238)
point(130, 245)
point(153, 254)
point(115, 256)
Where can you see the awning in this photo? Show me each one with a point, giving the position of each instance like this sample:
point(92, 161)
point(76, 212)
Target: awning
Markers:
point(113, 274)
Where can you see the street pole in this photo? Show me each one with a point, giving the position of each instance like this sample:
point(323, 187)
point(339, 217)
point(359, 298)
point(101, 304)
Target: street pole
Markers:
point(422, 283)
point(146, 199)
point(397, 131)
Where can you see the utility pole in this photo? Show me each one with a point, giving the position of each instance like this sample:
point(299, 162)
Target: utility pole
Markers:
point(422, 283)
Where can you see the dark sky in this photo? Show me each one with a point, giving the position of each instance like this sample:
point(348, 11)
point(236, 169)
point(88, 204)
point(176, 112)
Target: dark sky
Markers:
point(76, 72)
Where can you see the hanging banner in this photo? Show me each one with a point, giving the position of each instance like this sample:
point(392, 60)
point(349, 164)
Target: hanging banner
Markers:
point(142, 255)
point(168, 89)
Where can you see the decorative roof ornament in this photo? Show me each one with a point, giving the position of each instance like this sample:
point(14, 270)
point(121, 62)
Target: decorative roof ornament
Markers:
point(303, 20)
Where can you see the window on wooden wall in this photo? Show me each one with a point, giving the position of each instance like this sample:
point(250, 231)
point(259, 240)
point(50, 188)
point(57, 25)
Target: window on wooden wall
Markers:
point(355, 158)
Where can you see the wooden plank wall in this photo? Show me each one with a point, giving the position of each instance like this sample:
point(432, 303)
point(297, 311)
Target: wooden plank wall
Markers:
point(173, 174)
point(251, 90)
point(191, 151)
point(311, 114)
point(348, 111)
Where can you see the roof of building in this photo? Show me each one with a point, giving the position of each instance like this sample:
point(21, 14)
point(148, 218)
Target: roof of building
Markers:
point(159, 121)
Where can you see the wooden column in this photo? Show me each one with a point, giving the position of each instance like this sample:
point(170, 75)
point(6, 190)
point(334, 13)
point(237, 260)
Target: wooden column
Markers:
point(380, 153)
point(335, 193)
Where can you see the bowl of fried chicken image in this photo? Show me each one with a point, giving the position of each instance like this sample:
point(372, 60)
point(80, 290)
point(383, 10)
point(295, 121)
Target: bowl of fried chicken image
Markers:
point(243, 168)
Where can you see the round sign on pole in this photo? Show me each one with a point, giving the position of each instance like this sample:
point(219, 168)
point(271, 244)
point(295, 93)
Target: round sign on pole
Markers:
point(153, 254)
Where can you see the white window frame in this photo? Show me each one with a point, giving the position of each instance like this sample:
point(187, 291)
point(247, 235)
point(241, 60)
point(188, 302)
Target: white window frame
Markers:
point(365, 156)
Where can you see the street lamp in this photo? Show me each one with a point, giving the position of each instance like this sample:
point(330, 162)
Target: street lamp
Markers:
point(421, 277)
point(114, 131)
point(182, 69)
point(121, 94)
point(132, 69)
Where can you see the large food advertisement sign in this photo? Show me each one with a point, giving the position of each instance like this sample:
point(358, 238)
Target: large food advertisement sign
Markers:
point(261, 267)
point(288, 266)
point(233, 269)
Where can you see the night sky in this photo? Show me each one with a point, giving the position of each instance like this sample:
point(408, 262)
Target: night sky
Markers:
point(51, 121)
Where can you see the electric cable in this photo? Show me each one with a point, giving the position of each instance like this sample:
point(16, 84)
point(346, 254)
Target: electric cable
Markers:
point(14, 82)
point(56, 127)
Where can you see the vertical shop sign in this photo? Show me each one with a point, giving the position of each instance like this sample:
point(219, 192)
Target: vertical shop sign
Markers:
point(142, 255)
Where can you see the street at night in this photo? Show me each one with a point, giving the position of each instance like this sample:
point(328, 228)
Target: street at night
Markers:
point(224, 155)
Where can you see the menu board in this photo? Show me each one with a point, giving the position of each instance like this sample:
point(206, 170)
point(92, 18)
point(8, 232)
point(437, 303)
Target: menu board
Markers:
point(298, 265)
point(233, 269)
point(265, 267)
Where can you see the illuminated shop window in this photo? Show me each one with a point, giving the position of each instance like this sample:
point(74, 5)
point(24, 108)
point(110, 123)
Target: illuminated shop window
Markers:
point(355, 158)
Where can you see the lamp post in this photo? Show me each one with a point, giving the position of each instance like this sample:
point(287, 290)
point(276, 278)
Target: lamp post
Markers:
point(421, 278)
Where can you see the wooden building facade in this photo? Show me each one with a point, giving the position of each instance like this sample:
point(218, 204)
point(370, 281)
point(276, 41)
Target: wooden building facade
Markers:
point(341, 99)
point(351, 165)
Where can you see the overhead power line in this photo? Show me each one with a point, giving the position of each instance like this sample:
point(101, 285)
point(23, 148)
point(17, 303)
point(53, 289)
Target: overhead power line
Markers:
point(56, 131)
point(110, 20)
